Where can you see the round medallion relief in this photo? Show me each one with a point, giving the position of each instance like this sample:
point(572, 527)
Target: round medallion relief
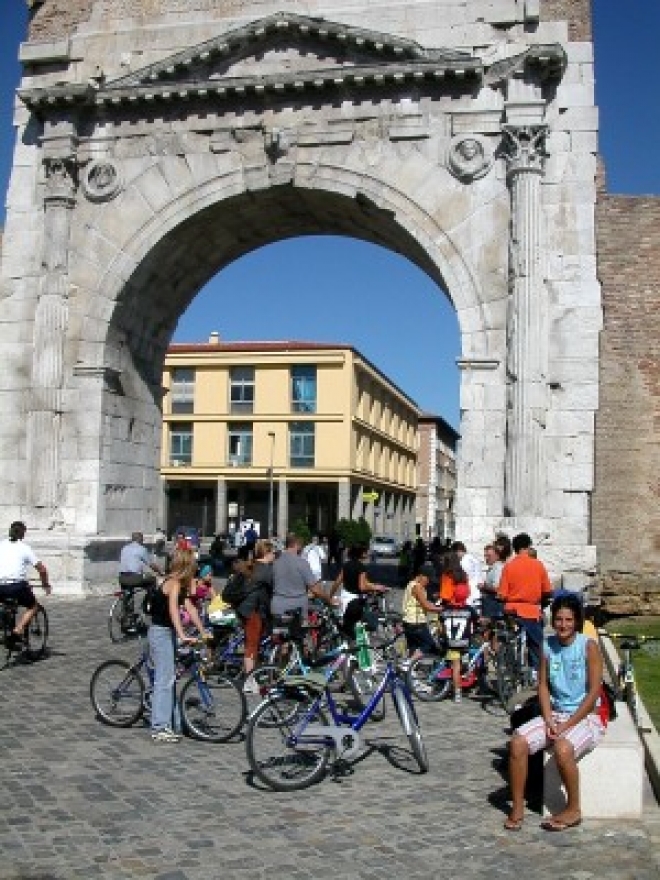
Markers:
point(101, 180)
point(469, 157)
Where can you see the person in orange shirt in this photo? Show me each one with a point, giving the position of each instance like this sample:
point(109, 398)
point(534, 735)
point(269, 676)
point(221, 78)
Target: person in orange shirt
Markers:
point(525, 588)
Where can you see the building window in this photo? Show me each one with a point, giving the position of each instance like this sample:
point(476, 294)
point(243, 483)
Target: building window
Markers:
point(240, 444)
point(303, 389)
point(241, 392)
point(182, 390)
point(301, 444)
point(181, 444)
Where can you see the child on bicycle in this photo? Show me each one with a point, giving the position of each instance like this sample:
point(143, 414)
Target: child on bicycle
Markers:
point(459, 620)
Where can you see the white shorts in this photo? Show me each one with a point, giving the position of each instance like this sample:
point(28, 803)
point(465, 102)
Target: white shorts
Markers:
point(584, 737)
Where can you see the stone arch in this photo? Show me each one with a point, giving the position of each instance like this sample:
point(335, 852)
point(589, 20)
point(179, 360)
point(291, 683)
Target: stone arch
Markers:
point(427, 244)
point(469, 149)
point(329, 200)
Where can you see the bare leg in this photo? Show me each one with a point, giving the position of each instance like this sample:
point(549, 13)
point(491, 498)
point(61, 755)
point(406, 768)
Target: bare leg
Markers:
point(456, 675)
point(518, 765)
point(25, 620)
point(570, 776)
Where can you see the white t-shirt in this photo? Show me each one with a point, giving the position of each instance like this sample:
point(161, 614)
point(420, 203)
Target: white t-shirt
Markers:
point(315, 555)
point(15, 557)
point(474, 571)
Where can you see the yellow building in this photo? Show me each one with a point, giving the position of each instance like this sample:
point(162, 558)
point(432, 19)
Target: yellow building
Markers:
point(277, 431)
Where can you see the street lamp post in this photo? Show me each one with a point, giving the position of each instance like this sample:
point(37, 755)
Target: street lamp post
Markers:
point(271, 509)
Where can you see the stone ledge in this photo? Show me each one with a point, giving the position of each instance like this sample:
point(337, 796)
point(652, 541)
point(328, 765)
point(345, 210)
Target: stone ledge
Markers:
point(44, 53)
point(611, 777)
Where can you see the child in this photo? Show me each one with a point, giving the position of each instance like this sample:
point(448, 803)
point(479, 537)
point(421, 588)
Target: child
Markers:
point(201, 592)
point(459, 621)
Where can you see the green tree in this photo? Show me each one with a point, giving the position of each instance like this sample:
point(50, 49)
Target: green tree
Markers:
point(354, 531)
point(302, 530)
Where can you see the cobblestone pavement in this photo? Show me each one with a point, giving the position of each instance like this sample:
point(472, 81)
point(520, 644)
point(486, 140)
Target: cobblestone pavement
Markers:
point(84, 800)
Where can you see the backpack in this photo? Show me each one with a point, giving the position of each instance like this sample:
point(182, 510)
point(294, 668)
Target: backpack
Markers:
point(236, 590)
point(606, 703)
point(148, 600)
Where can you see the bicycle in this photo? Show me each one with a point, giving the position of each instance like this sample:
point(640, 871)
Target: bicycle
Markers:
point(626, 682)
point(512, 666)
point(348, 675)
point(429, 677)
point(229, 651)
point(212, 706)
point(289, 738)
point(125, 621)
point(35, 636)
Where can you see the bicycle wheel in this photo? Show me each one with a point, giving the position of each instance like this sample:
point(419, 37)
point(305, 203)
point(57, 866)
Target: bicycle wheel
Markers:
point(429, 678)
point(213, 709)
point(274, 758)
point(36, 635)
point(117, 693)
point(507, 673)
point(124, 622)
point(363, 684)
point(410, 725)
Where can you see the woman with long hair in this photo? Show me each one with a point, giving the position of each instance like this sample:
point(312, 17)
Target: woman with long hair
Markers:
point(166, 602)
point(354, 580)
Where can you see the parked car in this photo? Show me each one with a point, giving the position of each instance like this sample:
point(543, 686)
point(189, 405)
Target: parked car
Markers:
point(382, 546)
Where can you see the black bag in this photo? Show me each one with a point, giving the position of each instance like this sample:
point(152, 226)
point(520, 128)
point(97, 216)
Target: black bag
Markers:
point(607, 708)
point(148, 601)
point(236, 590)
point(531, 708)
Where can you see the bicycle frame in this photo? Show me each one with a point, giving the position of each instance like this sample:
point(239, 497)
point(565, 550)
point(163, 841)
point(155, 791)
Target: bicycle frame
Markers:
point(338, 734)
point(476, 660)
point(145, 665)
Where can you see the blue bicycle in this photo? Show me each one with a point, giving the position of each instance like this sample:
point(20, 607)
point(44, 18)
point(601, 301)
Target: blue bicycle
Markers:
point(293, 733)
point(212, 705)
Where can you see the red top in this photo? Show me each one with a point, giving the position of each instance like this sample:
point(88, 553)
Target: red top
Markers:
point(523, 584)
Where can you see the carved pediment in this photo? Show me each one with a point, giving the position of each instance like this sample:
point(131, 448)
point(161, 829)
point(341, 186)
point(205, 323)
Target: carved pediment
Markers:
point(301, 42)
point(285, 52)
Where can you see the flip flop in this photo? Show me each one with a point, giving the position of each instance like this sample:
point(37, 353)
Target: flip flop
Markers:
point(512, 824)
point(558, 825)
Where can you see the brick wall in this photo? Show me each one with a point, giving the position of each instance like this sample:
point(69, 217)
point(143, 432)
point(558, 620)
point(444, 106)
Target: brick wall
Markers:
point(54, 19)
point(626, 503)
point(576, 12)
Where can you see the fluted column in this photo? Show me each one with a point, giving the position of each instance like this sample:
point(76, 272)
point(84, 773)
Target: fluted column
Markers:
point(527, 325)
point(50, 321)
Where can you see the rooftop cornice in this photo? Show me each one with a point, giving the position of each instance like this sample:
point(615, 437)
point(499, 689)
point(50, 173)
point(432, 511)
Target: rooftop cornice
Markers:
point(373, 76)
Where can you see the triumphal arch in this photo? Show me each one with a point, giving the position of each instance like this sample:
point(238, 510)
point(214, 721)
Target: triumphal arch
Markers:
point(158, 140)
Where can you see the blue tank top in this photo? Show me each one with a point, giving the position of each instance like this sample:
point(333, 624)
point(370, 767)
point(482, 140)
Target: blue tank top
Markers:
point(567, 672)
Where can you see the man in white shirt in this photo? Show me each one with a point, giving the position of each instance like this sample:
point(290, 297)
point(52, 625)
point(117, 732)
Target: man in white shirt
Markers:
point(15, 557)
point(315, 554)
point(474, 571)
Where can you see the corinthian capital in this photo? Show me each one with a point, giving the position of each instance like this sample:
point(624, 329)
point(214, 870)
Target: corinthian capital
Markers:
point(61, 181)
point(524, 147)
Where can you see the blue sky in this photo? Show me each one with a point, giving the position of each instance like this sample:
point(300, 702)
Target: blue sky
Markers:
point(341, 290)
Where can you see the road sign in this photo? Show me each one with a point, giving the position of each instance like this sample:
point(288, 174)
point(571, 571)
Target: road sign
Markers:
point(370, 496)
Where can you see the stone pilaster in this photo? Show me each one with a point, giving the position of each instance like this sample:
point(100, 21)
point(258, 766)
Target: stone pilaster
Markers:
point(343, 499)
point(527, 325)
point(282, 507)
point(50, 322)
point(221, 506)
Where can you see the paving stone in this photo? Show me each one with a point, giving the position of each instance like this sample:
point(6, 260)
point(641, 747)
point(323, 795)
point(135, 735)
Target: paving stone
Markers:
point(97, 802)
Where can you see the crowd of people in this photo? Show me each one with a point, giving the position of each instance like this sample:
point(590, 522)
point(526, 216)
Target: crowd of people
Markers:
point(447, 584)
